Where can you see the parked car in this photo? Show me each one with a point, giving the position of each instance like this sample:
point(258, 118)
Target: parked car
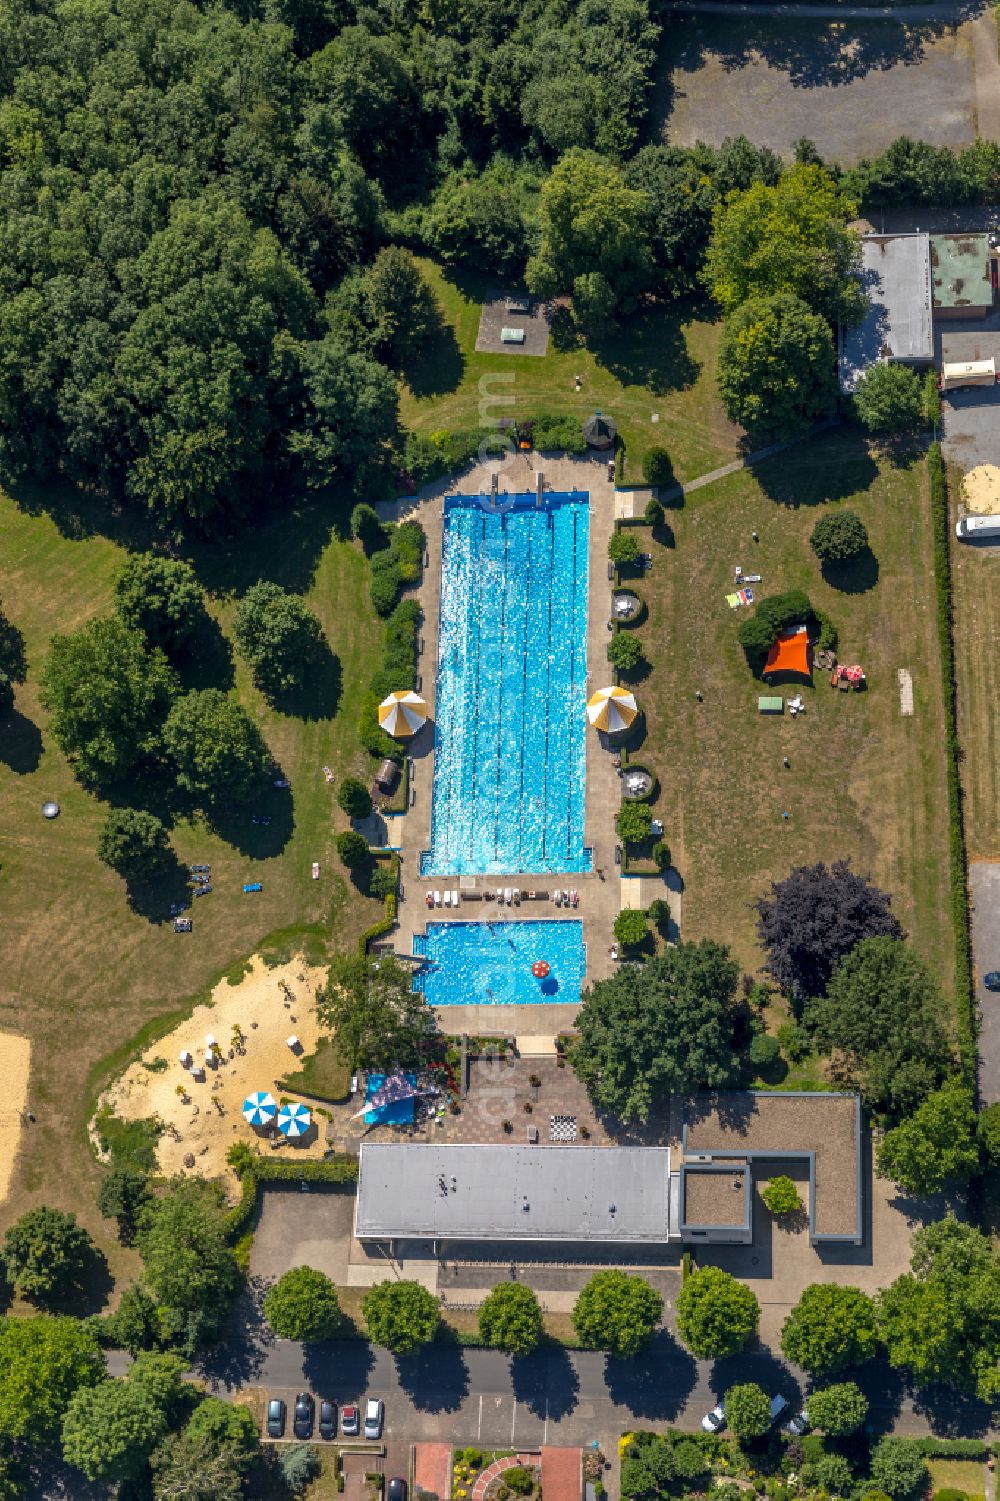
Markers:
point(992, 980)
point(714, 1421)
point(276, 1418)
point(798, 1425)
point(778, 1405)
point(374, 1414)
point(397, 1489)
point(302, 1422)
point(328, 1420)
point(350, 1420)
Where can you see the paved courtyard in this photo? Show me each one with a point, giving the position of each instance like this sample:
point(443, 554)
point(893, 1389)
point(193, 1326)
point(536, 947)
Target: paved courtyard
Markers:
point(850, 86)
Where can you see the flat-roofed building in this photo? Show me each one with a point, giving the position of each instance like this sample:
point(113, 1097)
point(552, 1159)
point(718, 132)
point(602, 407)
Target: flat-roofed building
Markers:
point(898, 323)
point(508, 1192)
point(962, 275)
point(821, 1132)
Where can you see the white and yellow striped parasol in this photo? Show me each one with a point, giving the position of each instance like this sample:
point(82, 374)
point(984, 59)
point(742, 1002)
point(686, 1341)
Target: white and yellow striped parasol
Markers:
point(402, 714)
point(612, 710)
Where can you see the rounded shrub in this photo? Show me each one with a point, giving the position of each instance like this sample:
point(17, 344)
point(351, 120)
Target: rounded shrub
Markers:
point(352, 848)
point(624, 651)
point(764, 1050)
point(654, 512)
point(354, 797)
point(634, 822)
point(623, 547)
point(838, 537)
point(631, 926)
point(657, 468)
point(661, 854)
point(520, 1480)
point(781, 1196)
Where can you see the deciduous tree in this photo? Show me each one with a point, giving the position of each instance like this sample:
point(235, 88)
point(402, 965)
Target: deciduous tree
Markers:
point(303, 1305)
point(665, 1028)
point(218, 752)
point(838, 536)
point(811, 919)
point(776, 367)
point(716, 1314)
point(161, 598)
point(378, 1021)
point(830, 1329)
point(110, 1430)
point(838, 1409)
point(43, 1361)
point(279, 636)
point(400, 1315)
point(748, 1410)
point(887, 398)
point(617, 1312)
point(134, 843)
point(510, 1318)
point(590, 220)
point(898, 1468)
point(934, 1146)
point(45, 1253)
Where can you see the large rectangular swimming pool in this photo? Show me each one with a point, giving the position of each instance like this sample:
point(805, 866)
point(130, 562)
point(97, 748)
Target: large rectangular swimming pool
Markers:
point(510, 737)
point(489, 963)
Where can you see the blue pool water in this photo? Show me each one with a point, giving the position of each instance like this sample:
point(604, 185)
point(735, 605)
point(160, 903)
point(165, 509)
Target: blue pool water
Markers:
point(510, 746)
point(397, 1112)
point(489, 964)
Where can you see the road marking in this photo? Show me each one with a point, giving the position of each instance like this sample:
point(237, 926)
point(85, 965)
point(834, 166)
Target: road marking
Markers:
point(545, 1430)
point(513, 1420)
point(479, 1430)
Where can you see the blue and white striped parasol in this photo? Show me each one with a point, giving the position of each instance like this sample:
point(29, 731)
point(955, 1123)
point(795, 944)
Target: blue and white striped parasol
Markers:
point(260, 1108)
point(294, 1119)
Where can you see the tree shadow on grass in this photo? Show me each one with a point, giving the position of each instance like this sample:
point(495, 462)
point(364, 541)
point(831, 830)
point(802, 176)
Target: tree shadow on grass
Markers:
point(20, 743)
point(284, 549)
point(13, 655)
point(649, 349)
point(90, 1293)
point(656, 1383)
point(436, 1378)
point(77, 513)
point(319, 696)
point(209, 664)
point(152, 899)
point(257, 841)
point(440, 367)
point(546, 1382)
point(854, 576)
point(809, 477)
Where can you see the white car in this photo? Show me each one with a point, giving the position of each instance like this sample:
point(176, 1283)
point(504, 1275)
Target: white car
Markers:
point(798, 1425)
point(714, 1421)
point(778, 1405)
point(374, 1414)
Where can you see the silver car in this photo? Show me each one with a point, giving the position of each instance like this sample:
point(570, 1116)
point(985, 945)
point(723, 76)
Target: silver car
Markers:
point(714, 1421)
point(374, 1415)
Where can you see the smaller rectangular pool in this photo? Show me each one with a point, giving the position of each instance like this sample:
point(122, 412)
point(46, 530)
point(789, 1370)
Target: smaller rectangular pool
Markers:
point(489, 963)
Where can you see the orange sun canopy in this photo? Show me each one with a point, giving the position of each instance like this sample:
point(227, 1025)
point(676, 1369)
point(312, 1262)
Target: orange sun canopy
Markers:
point(790, 653)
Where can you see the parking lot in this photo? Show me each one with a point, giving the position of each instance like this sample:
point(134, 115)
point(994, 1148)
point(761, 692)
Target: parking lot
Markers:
point(984, 878)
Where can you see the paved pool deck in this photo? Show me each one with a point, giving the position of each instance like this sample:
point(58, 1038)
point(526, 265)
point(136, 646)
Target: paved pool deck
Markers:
point(602, 892)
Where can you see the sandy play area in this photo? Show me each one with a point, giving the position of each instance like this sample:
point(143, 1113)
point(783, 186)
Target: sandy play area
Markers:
point(15, 1060)
point(981, 490)
point(208, 1119)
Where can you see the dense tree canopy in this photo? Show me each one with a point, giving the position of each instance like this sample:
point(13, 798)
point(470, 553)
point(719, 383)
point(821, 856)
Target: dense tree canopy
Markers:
point(109, 1430)
point(510, 1318)
point(885, 1018)
point(188, 1262)
point(590, 221)
point(838, 1409)
point(400, 1315)
point(941, 1322)
point(45, 1253)
point(43, 1361)
point(279, 636)
point(811, 919)
point(377, 1019)
point(748, 1410)
point(838, 536)
point(303, 1305)
point(217, 750)
point(107, 694)
point(936, 1145)
point(776, 366)
point(161, 598)
point(789, 237)
point(134, 843)
point(617, 1312)
point(887, 398)
point(664, 1028)
point(716, 1314)
point(830, 1329)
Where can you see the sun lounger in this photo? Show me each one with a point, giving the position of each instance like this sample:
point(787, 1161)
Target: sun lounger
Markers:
point(203, 890)
point(182, 925)
point(315, 870)
point(447, 898)
point(328, 773)
point(253, 886)
point(517, 896)
point(437, 898)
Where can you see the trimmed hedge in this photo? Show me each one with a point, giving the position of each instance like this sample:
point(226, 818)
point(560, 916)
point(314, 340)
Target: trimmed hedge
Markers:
point(398, 671)
point(958, 857)
point(339, 1169)
point(381, 927)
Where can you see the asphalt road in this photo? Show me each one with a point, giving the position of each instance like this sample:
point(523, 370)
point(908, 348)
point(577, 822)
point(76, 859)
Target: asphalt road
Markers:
point(553, 1396)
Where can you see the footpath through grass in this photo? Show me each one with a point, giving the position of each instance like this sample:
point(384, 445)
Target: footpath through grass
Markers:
point(83, 973)
point(863, 782)
point(662, 361)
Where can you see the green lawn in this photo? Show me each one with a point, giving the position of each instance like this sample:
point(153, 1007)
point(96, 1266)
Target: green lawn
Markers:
point(863, 782)
point(968, 1475)
point(83, 973)
point(322, 1075)
point(662, 361)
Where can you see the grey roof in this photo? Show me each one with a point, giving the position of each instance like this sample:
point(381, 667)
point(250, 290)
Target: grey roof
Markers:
point(896, 275)
point(467, 1191)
